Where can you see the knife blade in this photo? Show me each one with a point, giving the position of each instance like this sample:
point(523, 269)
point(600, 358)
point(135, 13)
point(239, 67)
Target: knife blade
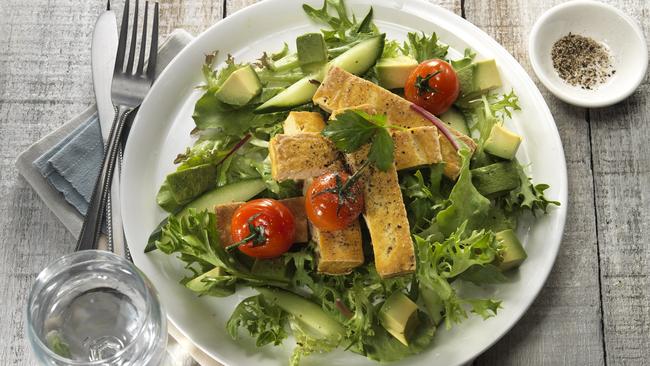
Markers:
point(103, 53)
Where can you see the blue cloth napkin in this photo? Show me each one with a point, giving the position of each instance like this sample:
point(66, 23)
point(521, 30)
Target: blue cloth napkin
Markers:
point(72, 165)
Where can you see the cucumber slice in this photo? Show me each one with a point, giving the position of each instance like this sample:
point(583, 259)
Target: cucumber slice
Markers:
point(298, 93)
point(360, 58)
point(235, 192)
point(356, 60)
point(456, 120)
point(310, 315)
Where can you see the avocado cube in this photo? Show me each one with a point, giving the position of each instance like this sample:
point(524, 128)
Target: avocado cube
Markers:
point(399, 317)
point(511, 252)
point(486, 76)
point(478, 78)
point(300, 121)
point(502, 143)
point(466, 80)
point(312, 51)
point(495, 178)
point(240, 87)
point(186, 184)
point(199, 285)
point(393, 72)
point(432, 303)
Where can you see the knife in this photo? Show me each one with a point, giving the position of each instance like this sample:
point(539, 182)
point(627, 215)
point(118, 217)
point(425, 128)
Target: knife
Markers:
point(103, 53)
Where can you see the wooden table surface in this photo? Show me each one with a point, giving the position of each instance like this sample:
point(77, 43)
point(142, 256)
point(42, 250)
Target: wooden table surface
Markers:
point(595, 307)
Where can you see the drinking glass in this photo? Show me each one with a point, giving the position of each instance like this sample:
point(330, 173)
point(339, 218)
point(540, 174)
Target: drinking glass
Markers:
point(95, 308)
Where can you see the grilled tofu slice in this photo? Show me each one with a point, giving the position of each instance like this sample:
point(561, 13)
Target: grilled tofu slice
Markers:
point(296, 205)
point(298, 122)
point(302, 156)
point(386, 218)
point(340, 90)
point(414, 147)
point(339, 252)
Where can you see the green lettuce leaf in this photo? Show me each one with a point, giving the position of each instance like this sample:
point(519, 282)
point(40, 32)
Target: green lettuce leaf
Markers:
point(263, 320)
point(423, 197)
point(467, 204)
point(439, 262)
point(422, 48)
point(210, 112)
point(468, 58)
point(344, 32)
point(306, 343)
point(194, 237)
point(383, 347)
point(529, 196)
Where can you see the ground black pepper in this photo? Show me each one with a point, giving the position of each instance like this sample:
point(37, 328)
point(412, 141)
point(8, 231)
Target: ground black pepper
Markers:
point(582, 61)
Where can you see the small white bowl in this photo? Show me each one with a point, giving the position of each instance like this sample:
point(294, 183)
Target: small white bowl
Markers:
point(603, 23)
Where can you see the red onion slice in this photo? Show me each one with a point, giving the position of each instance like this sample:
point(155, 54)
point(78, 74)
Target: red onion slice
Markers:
point(438, 123)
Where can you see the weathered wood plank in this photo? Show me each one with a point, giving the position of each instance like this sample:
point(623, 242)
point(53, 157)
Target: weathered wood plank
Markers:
point(621, 164)
point(563, 326)
point(45, 79)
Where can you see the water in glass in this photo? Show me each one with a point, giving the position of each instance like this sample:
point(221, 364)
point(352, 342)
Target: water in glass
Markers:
point(95, 308)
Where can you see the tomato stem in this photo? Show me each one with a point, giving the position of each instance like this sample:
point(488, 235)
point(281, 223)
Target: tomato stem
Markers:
point(342, 190)
point(422, 83)
point(257, 235)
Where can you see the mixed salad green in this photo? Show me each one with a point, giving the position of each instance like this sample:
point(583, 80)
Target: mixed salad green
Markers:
point(462, 230)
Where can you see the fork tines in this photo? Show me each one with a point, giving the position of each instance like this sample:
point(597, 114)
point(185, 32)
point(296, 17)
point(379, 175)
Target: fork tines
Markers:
point(153, 47)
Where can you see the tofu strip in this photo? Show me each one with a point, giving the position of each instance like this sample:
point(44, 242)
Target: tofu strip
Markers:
point(296, 205)
point(341, 251)
point(302, 156)
point(413, 148)
point(340, 90)
point(386, 218)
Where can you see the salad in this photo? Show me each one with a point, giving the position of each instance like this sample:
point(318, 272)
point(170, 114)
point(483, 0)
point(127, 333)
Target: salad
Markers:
point(353, 183)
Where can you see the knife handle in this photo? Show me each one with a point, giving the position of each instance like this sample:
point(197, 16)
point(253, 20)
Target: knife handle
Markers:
point(91, 229)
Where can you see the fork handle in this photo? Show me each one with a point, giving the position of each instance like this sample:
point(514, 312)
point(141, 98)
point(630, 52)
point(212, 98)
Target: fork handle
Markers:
point(89, 235)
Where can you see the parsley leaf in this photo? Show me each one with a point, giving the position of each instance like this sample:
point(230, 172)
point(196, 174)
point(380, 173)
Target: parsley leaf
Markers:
point(381, 150)
point(349, 131)
point(353, 129)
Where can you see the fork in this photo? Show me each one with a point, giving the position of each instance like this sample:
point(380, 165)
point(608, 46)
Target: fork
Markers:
point(128, 90)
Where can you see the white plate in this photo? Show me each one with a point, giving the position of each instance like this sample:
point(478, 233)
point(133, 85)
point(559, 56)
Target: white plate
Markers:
point(162, 128)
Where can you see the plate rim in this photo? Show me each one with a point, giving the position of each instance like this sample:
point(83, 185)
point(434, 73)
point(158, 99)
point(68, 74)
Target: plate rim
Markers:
point(426, 9)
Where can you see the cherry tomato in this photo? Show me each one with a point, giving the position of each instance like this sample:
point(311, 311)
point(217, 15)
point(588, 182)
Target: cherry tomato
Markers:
point(322, 203)
point(273, 228)
point(433, 85)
